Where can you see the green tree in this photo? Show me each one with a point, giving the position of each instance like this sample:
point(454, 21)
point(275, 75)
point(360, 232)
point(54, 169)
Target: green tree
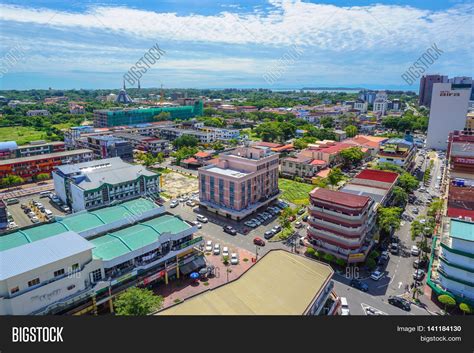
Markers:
point(400, 196)
point(285, 216)
point(183, 153)
point(351, 156)
point(43, 176)
point(435, 207)
point(327, 122)
point(388, 218)
point(11, 180)
point(137, 302)
point(335, 176)
point(370, 263)
point(389, 167)
point(310, 252)
point(341, 262)
point(148, 159)
point(217, 146)
point(408, 182)
point(466, 308)
point(160, 157)
point(185, 141)
point(447, 301)
point(351, 130)
point(300, 144)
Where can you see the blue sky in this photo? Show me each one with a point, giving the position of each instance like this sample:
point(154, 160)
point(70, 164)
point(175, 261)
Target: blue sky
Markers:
point(215, 44)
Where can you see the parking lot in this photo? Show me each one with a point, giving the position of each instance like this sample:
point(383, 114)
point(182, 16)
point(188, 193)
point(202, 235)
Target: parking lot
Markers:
point(22, 219)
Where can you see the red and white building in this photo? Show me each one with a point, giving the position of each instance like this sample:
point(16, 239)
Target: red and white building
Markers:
point(341, 224)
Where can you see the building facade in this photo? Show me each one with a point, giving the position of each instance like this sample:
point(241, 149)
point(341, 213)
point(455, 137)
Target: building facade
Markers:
point(341, 224)
point(449, 106)
point(109, 146)
point(100, 183)
point(74, 264)
point(146, 143)
point(9, 150)
point(29, 167)
point(426, 88)
point(133, 116)
point(242, 181)
point(397, 151)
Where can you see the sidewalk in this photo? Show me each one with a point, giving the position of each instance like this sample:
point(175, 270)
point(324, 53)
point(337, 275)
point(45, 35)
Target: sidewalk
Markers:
point(183, 288)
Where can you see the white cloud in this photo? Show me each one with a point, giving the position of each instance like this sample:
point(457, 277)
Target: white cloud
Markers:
point(375, 27)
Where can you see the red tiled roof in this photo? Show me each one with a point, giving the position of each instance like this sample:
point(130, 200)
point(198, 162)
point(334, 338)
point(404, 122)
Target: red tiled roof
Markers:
point(339, 198)
point(202, 154)
point(336, 148)
point(190, 161)
point(455, 212)
point(283, 148)
point(268, 144)
point(318, 162)
point(377, 175)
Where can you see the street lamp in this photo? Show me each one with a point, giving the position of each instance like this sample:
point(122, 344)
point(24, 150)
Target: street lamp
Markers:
point(256, 252)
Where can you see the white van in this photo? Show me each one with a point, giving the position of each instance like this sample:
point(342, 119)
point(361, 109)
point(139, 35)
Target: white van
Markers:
point(344, 307)
point(48, 213)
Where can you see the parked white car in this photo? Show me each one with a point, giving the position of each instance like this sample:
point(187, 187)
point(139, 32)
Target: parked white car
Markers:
point(234, 259)
point(217, 249)
point(415, 251)
point(225, 251)
point(209, 246)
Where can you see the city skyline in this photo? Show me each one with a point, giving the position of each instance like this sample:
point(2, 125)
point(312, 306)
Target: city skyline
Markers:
point(92, 45)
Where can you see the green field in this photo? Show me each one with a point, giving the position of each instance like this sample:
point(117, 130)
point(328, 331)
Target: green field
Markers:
point(295, 192)
point(21, 134)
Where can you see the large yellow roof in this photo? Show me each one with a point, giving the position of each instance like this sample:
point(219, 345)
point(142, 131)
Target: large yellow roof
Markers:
point(281, 283)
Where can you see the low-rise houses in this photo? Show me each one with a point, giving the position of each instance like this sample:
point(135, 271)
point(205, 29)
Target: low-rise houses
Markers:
point(397, 151)
point(107, 146)
point(146, 143)
point(29, 167)
point(38, 112)
point(240, 182)
point(10, 149)
point(100, 183)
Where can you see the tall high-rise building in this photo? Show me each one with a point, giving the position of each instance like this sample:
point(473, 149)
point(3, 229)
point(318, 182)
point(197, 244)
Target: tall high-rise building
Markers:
point(426, 87)
point(449, 106)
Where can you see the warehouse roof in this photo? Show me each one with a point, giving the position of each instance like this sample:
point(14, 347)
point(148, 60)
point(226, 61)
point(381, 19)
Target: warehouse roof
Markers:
point(78, 222)
point(280, 283)
point(45, 251)
point(118, 243)
point(110, 171)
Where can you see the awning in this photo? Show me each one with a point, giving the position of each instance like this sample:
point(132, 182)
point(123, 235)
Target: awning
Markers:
point(193, 265)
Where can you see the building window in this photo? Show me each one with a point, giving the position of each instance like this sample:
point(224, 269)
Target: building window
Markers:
point(59, 272)
point(97, 275)
point(33, 282)
point(14, 290)
point(75, 267)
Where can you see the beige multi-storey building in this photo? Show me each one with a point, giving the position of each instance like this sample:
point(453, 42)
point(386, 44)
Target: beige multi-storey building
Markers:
point(240, 182)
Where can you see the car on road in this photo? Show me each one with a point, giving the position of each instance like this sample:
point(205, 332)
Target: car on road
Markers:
point(305, 218)
point(209, 246)
point(358, 284)
point(191, 203)
point(258, 241)
point(234, 259)
point(225, 251)
point(418, 275)
point(201, 218)
point(415, 210)
point(399, 302)
point(229, 230)
point(12, 225)
point(394, 248)
point(376, 275)
point(301, 241)
point(298, 224)
point(197, 224)
point(183, 198)
point(419, 263)
point(174, 203)
point(217, 249)
point(66, 209)
point(44, 193)
point(344, 307)
point(35, 219)
point(269, 234)
point(301, 211)
point(415, 251)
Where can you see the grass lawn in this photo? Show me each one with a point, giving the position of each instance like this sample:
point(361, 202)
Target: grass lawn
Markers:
point(21, 134)
point(295, 192)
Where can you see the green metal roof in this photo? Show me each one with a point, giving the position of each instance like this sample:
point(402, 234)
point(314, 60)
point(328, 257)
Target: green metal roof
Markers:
point(462, 230)
point(118, 243)
point(78, 222)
